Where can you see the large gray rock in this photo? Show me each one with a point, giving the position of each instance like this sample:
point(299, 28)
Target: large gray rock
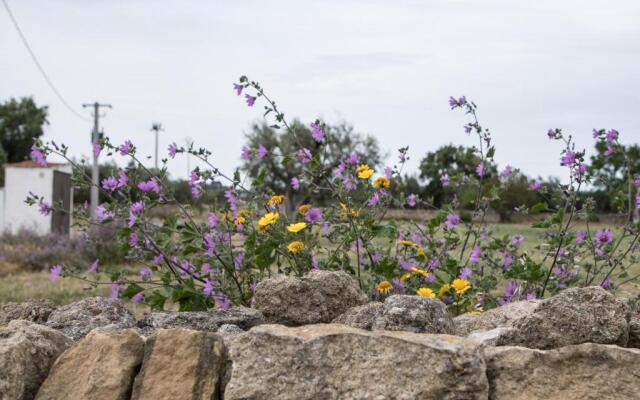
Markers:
point(180, 364)
point(577, 372)
point(574, 316)
point(101, 366)
point(499, 317)
point(320, 296)
point(27, 352)
point(361, 317)
point(414, 314)
point(77, 319)
point(339, 362)
point(209, 321)
point(32, 310)
point(634, 331)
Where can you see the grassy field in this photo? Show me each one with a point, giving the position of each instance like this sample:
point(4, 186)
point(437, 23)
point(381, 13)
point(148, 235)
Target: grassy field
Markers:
point(17, 284)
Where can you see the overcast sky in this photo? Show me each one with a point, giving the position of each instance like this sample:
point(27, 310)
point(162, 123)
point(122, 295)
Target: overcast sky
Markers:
point(388, 67)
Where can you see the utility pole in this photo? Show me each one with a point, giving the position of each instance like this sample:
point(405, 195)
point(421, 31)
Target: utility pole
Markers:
point(189, 142)
point(156, 127)
point(95, 138)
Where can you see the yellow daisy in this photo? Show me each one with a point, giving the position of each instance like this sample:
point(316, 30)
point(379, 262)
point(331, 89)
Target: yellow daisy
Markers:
point(381, 182)
point(461, 285)
point(304, 208)
point(364, 171)
point(295, 228)
point(267, 219)
point(425, 292)
point(295, 247)
point(275, 200)
point(384, 287)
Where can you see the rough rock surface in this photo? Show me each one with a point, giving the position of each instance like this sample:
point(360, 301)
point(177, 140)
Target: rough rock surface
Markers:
point(574, 316)
point(414, 314)
point(77, 319)
point(209, 321)
point(319, 296)
point(101, 366)
point(27, 352)
point(330, 361)
point(229, 330)
point(578, 372)
point(180, 364)
point(499, 317)
point(361, 317)
point(634, 331)
point(33, 310)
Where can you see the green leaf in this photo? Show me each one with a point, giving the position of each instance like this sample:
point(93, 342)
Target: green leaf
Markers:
point(131, 290)
point(538, 208)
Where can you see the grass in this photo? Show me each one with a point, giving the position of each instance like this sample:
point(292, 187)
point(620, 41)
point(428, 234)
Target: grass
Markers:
point(18, 284)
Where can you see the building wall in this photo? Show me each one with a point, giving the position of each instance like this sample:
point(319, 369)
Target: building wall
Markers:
point(18, 183)
point(1, 210)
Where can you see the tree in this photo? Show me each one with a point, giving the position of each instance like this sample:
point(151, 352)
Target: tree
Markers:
point(21, 123)
point(515, 192)
point(455, 162)
point(279, 167)
point(612, 175)
point(3, 160)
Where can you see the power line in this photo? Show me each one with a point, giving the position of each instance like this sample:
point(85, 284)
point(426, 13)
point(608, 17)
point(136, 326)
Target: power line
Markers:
point(35, 60)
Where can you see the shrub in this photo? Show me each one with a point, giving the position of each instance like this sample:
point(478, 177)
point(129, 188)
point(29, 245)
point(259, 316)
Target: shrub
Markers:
point(216, 261)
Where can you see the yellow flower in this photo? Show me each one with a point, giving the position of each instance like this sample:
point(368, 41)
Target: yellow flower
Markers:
point(474, 312)
point(304, 208)
point(275, 200)
point(420, 252)
point(350, 211)
point(384, 287)
point(295, 228)
point(405, 277)
point(425, 292)
point(381, 182)
point(461, 285)
point(240, 220)
point(444, 289)
point(408, 243)
point(420, 272)
point(267, 219)
point(364, 171)
point(295, 247)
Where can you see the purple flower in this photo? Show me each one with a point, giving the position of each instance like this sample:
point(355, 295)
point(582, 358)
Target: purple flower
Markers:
point(453, 103)
point(476, 253)
point(304, 155)
point(137, 207)
point(353, 158)
point(605, 284)
point(222, 301)
point(551, 133)
point(373, 200)
point(262, 152)
point(232, 200)
point(44, 208)
point(38, 156)
point(506, 171)
point(517, 239)
point(133, 239)
point(145, 273)
point(173, 149)
point(93, 267)
point(568, 158)
point(412, 200)
point(581, 169)
point(465, 273)
point(604, 236)
point(238, 260)
point(636, 182)
point(103, 214)
point(452, 221)
point(595, 133)
point(115, 290)
point(238, 88)
point(295, 184)
point(208, 288)
point(96, 149)
point(507, 261)
point(314, 263)
point(612, 136)
point(210, 244)
point(511, 291)
point(480, 169)
point(467, 128)
point(196, 190)
point(151, 185)
point(580, 236)
point(444, 179)
point(600, 253)
point(536, 185)
point(316, 132)
point(250, 100)
point(137, 298)
point(531, 296)
point(206, 268)
point(313, 215)
point(246, 153)
point(110, 184)
point(213, 220)
point(54, 273)
point(126, 148)
point(122, 179)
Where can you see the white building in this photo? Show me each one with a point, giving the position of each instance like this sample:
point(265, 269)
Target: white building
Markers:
point(53, 183)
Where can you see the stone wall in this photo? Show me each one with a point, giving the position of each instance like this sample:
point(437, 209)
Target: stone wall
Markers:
point(575, 345)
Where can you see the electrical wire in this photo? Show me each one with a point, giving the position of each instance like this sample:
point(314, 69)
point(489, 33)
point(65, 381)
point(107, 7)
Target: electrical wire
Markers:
point(35, 60)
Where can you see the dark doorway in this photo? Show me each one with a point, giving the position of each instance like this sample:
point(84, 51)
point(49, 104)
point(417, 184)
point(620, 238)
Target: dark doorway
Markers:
point(60, 221)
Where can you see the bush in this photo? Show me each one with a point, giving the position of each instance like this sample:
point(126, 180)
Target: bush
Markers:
point(217, 260)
